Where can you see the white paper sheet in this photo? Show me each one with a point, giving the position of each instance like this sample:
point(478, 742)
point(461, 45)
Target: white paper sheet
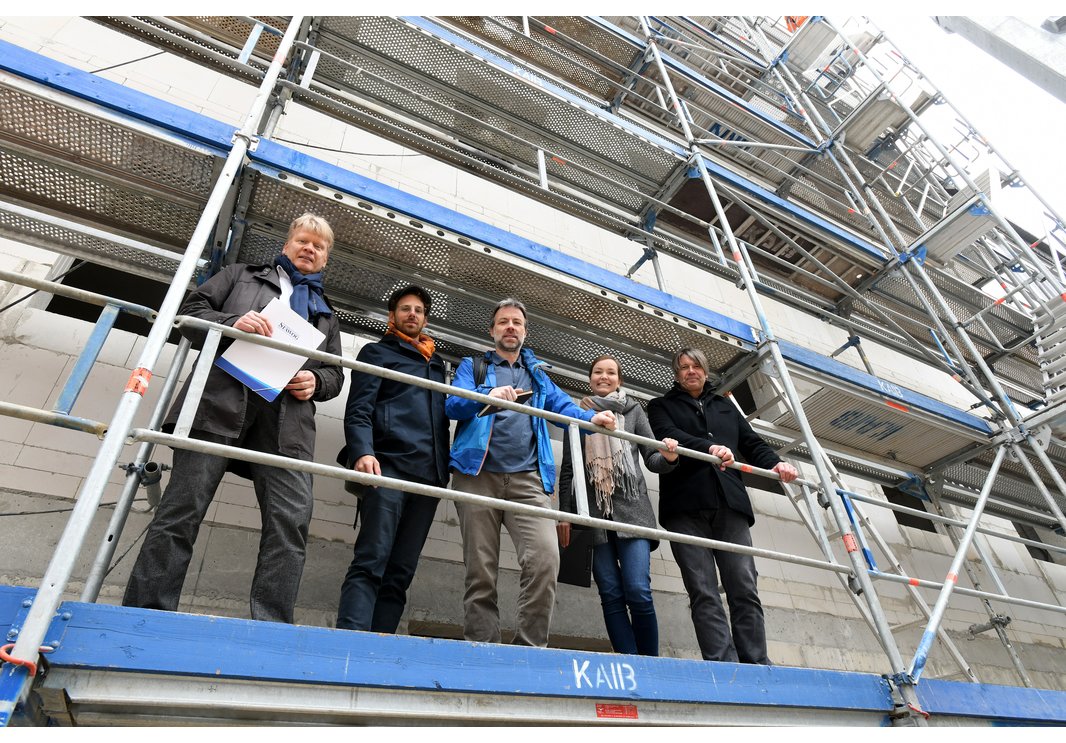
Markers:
point(266, 371)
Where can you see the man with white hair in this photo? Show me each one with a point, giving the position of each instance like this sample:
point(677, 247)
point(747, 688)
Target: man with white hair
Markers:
point(229, 413)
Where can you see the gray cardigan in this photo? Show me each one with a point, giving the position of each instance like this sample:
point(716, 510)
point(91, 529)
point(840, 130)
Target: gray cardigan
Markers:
point(627, 509)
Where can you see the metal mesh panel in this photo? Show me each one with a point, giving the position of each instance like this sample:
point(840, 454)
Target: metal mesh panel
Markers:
point(571, 64)
point(574, 321)
point(47, 235)
point(441, 73)
point(235, 31)
point(165, 34)
point(1014, 488)
point(101, 202)
point(45, 126)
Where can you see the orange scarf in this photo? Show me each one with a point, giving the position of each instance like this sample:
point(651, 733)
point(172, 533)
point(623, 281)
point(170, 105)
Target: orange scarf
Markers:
point(423, 343)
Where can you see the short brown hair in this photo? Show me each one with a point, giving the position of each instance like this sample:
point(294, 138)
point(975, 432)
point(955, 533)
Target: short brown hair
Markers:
point(509, 302)
point(312, 223)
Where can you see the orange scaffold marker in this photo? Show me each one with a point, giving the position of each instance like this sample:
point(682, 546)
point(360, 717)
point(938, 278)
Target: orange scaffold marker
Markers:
point(138, 382)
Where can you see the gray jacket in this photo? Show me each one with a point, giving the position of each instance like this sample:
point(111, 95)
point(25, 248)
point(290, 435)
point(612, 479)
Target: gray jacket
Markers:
point(632, 508)
point(223, 298)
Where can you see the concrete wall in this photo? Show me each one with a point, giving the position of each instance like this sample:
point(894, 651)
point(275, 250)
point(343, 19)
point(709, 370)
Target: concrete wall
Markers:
point(811, 619)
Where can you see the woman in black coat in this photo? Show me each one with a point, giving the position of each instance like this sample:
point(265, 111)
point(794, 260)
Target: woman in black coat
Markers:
point(621, 563)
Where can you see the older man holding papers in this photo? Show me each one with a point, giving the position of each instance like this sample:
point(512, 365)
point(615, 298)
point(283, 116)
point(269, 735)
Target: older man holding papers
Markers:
point(230, 414)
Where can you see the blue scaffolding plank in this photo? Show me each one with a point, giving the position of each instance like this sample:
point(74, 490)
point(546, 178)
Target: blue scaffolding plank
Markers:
point(97, 637)
point(180, 122)
point(115, 638)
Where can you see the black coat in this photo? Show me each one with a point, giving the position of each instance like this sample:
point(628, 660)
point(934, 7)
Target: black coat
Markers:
point(223, 299)
point(402, 425)
point(698, 424)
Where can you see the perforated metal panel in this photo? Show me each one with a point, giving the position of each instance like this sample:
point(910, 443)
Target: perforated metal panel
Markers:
point(572, 320)
point(426, 72)
point(46, 234)
point(877, 428)
point(570, 47)
point(98, 171)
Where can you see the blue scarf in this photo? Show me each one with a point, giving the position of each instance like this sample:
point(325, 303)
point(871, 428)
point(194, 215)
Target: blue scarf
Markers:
point(307, 299)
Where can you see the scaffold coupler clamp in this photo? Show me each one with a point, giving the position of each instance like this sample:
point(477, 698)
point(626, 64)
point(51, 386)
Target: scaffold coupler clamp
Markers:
point(917, 255)
point(252, 141)
point(996, 620)
point(901, 709)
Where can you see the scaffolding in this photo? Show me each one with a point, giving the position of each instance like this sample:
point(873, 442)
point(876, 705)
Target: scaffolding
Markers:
point(796, 162)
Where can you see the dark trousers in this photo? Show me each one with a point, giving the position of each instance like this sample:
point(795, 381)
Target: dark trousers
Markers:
point(285, 504)
point(748, 641)
point(394, 527)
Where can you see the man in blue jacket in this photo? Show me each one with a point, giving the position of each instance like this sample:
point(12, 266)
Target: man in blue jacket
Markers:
point(508, 455)
point(397, 430)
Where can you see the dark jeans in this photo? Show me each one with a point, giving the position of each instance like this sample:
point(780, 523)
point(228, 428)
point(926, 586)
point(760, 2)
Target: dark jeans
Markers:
point(285, 504)
point(622, 568)
point(738, 574)
point(394, 528)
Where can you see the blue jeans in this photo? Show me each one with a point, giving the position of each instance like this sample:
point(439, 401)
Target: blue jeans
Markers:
point(622, 568)
point(285, 504)
point(747, 643)
point(394, 528)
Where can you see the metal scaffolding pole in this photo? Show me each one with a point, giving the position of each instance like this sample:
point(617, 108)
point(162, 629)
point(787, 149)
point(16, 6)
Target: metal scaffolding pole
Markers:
point(921, 655)
point(884, 632)
point(15, 684)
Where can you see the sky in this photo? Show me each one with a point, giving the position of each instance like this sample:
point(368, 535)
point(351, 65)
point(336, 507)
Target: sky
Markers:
point(1022, 121)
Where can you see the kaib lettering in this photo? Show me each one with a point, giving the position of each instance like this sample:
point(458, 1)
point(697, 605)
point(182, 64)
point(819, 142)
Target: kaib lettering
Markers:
point(613, 676)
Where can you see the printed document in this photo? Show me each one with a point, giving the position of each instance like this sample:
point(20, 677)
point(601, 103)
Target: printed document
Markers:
point(266, 371)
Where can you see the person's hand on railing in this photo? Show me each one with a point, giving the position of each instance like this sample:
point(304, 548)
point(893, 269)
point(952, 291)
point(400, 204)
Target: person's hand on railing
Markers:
point(786, 471)
point(604, 418)
point(723, 453)
point(670, 453)
point(563, 528)
point(368, 464)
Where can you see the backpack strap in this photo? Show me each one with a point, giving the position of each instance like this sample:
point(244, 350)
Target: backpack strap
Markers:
point(481, 366)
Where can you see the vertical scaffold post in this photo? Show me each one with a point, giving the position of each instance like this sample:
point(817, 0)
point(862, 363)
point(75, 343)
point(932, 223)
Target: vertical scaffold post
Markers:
point(14, 686)
point(109, 544)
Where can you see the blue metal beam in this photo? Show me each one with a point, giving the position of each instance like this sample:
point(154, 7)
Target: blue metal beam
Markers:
point(116, 638)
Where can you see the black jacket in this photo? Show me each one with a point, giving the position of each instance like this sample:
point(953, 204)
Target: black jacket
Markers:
point(223, 299)
point(698, 424)
point(402, 425)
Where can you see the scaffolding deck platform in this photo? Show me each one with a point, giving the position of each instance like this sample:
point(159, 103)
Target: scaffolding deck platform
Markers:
point(116, 665)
